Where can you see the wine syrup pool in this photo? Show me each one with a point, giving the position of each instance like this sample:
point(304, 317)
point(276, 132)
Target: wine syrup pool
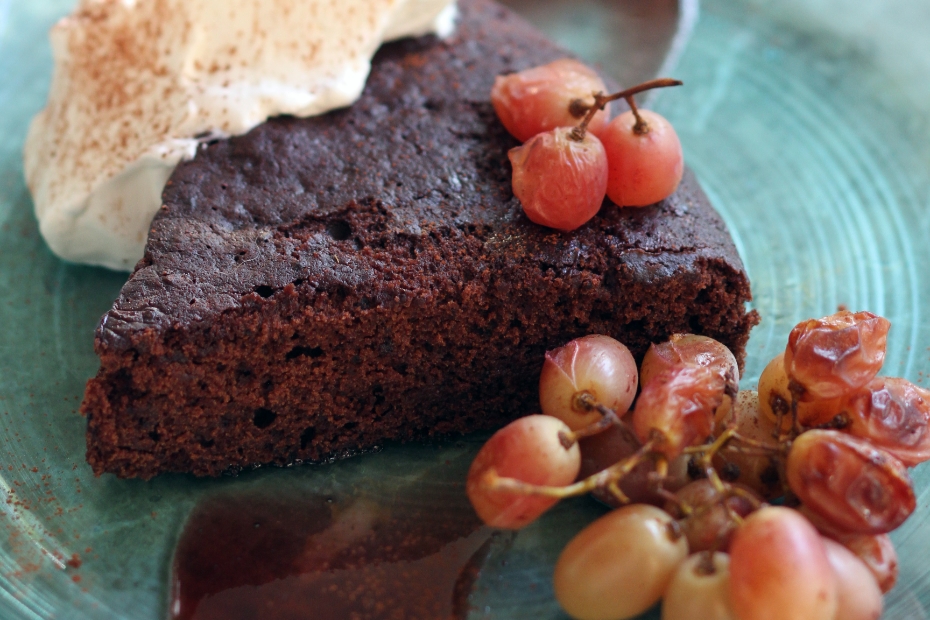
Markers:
point(258, 555)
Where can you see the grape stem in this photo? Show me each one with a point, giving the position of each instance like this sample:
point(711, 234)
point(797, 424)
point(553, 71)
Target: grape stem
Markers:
point(600, 100)
point(586, 402)
point(708, 455)
point(733, 435)
point(602, 479)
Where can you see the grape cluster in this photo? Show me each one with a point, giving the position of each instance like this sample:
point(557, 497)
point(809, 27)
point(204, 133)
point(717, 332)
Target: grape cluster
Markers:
point(572, 155)
point(763, 504)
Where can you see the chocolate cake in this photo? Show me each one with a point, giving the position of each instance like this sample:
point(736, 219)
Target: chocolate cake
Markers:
point(321, 286)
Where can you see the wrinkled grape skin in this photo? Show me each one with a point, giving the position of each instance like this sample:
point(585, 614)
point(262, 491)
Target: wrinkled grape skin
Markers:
point(710, 526)
point(774, 392)
point(680, 404)
point(619, 566)
point(757, 470)
point(835, 355)
point(858, 595)
point(692, 595)
point(893, 414)
point(844, 479)
point(561, 182)
point(536, 100)
point(596, 364)
point(877, 552)
point(689, 349)
point(697, 350)
point(779, 569)
point(529, 450)
point(644, 168)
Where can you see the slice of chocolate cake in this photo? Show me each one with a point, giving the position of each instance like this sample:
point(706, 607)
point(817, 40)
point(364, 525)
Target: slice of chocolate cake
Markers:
point(321, 286)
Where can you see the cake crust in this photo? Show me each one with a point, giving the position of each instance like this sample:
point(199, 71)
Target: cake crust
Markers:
point(320, 286)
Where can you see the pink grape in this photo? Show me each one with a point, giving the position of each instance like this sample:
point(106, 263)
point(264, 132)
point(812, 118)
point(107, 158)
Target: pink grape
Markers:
point(644, 168)
point(858, 595)
point(560, 180)
point(877, 552)
point(528, 450)
point(539, 99)
point(595, 365)
point(779, 569)
point(620, 565)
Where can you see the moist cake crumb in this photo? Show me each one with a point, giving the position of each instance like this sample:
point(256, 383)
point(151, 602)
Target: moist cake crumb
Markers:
point(321, 286)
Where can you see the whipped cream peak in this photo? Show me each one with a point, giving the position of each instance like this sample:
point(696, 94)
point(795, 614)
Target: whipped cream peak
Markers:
point(139, 83)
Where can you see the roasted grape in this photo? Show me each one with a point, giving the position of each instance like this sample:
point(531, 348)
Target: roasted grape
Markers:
point(691, 349)
point(833, 356)
point(542, 98)
point(710, 522)
point(700, 590)
point(858, 595)
point(849, 482)
point(893, 414)
point(620, 565)
point(595, 366)
point(779, 569)
point(560, 179)
point(676, 408)
point(644, 157)
point(775, 399)
point(528, 450)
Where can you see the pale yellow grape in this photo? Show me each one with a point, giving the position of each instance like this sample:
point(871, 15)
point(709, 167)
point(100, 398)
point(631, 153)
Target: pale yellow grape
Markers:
point(695, 594)
point(774, 395)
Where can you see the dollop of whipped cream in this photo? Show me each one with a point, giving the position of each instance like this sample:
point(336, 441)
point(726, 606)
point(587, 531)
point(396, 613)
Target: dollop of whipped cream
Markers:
point(138, 84)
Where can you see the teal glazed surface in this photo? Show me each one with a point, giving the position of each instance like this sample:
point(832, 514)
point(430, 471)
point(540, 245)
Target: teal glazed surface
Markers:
point(807, 123)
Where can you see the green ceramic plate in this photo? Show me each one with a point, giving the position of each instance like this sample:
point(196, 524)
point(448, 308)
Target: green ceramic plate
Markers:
point(808, 124)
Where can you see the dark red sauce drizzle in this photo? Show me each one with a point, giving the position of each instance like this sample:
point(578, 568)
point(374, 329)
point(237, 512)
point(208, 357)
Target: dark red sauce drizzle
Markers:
point(257, 556)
